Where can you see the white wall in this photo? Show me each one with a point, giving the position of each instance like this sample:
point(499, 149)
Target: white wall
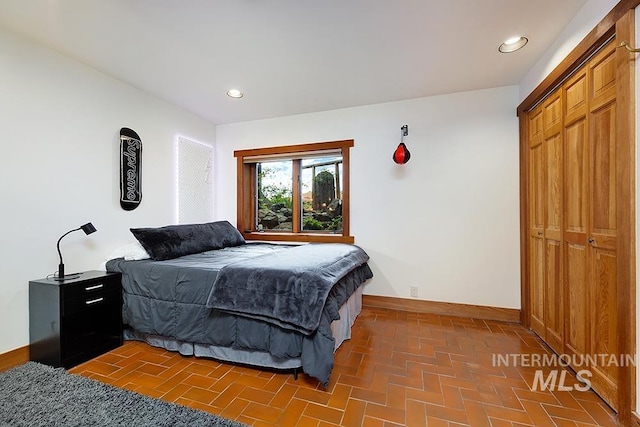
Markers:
point(446, 222)
point(60, 123)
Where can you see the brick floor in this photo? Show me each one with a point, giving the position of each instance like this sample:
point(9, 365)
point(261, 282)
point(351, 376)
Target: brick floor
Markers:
point(399, 369)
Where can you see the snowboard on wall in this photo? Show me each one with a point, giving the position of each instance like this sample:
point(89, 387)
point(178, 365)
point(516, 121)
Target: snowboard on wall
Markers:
point(130, 169)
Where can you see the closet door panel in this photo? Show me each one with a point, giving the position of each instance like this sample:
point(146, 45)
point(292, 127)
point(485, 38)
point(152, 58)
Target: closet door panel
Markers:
point(603, 227)
point(604, 321)
point(553, 314)
point(575, 237)
point(554, 320)
point(575, 98)
point(536, 213)
point(535, 186)
point(553, 148)
point(535, 127)
point(576, 182)
point(537, 285)
point(552, 116)
point(577, 332)
point(602, 77)
point(553, 168)
point(603, 198)
point(537, 190)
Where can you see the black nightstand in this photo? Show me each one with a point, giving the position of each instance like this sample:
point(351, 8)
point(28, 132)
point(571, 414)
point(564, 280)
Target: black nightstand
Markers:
point(74, 320)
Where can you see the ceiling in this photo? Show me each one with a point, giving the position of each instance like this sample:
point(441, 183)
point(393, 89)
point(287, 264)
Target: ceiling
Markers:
point(294, 56)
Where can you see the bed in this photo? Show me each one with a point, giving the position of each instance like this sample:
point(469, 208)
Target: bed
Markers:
point(204, 291)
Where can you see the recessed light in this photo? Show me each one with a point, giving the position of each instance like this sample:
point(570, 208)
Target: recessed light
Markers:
point(234, 93)
point(513, 44)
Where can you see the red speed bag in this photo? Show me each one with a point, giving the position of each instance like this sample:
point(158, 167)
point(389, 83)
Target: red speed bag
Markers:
point(401, 155)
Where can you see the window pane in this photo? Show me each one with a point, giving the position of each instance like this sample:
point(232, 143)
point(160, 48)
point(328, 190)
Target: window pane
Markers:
point(274, 195)
point(321, 188)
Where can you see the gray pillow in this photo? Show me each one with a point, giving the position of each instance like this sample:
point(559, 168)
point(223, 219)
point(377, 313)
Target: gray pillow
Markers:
point(174, 241)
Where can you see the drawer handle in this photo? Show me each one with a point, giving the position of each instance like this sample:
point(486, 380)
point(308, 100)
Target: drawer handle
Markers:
point(92, 288)
point(93, 301)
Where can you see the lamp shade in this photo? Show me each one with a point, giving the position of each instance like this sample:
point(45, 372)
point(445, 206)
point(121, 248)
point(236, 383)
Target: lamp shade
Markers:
point(88, 228)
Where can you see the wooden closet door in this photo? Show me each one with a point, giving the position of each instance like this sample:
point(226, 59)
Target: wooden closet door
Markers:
point(579, 286)
point(552, 151)
point(536, 223)
point(590, 221)
point(576, 181)
point(602, 219)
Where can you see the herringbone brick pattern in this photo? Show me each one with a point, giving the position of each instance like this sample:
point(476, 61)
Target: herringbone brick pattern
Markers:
point(399, 369)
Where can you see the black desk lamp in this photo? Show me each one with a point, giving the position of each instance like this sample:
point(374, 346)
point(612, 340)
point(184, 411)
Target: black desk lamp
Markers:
point(88, 228)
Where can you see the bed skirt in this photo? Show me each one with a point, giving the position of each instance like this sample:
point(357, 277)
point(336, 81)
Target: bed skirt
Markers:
point(340, 329)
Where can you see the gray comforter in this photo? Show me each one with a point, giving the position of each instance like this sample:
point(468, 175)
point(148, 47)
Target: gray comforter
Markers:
point(169, 298)
point(287, 288)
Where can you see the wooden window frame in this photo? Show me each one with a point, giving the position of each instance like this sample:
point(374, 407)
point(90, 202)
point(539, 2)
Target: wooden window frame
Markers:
point(246, 180)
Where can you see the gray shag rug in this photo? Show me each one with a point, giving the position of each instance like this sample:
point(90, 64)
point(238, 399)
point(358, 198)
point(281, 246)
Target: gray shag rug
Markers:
point(38, 395)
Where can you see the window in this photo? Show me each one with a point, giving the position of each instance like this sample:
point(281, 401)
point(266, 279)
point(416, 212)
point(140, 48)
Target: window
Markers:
point(295, 192)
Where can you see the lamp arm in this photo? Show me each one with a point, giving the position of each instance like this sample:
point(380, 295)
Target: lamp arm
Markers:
point(58, 244)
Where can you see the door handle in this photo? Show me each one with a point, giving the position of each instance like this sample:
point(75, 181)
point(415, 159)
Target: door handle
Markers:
point(591, 240)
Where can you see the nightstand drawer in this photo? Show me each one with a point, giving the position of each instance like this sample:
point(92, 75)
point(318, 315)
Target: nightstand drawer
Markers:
point(93, 289)
point(91, 301)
